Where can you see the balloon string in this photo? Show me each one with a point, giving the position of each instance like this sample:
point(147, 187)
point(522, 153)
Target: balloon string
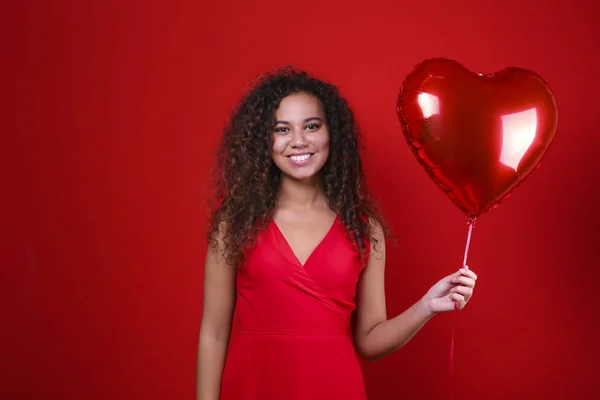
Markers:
point(469, 233)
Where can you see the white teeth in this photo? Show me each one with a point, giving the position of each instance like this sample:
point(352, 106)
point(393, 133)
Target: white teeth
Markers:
point(300, 158)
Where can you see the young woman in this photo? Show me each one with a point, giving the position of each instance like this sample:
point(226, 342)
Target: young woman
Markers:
point(297, 249)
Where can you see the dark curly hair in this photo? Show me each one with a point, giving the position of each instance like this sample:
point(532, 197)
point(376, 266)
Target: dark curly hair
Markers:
point(247, 180)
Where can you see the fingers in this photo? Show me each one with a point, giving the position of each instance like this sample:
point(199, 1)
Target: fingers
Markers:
point(459, 299)
point(464, 291)
point(467, 272)
point(465, 277)
point(464, 281)
point(463, 285)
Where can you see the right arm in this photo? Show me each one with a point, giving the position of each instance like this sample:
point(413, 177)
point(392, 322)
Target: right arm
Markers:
point(215, 329)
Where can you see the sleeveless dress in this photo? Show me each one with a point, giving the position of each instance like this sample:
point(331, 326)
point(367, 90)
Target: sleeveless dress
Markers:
point(291, 337)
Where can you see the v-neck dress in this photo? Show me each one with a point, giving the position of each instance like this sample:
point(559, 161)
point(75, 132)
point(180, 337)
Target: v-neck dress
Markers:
point(291, 337)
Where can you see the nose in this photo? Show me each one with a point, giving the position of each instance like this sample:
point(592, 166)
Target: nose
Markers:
point(298, 138)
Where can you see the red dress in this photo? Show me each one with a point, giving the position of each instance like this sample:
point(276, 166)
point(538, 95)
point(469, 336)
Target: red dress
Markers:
point(291, 336)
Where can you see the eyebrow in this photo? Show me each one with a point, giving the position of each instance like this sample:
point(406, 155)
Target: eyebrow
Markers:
point(305, 121)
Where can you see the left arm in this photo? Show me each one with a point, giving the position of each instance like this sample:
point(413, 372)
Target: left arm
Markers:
point(375, 336)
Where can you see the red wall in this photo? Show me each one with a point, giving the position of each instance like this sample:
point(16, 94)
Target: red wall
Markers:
point(113, 112)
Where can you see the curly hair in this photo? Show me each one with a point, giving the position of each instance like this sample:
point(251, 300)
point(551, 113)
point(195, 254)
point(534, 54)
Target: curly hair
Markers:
point(247, 180)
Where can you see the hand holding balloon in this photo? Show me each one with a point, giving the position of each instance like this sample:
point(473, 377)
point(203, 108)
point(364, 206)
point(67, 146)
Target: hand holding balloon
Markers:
point(450, 292)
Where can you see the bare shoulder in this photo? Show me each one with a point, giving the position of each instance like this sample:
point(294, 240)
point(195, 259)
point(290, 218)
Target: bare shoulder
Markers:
point(377, 239)
point(376, 229)
point(218, 235)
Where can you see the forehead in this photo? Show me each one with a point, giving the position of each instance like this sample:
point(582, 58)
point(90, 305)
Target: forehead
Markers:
point(299, 106)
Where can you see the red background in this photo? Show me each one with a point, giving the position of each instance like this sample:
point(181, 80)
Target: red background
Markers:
point(113, 112)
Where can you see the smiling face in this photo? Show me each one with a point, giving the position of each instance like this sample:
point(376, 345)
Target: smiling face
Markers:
point(300, 136)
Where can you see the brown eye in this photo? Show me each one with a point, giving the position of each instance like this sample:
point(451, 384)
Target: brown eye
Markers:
point(312, 126)
point(282, 129)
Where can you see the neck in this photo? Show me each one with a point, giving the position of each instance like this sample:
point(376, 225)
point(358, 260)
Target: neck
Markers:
point(301, 193)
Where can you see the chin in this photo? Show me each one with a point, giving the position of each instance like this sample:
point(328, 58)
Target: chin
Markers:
point(303, 177)
point(301, 174)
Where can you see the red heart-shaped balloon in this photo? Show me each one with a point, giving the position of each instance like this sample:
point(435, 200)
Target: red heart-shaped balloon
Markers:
point(477, 136)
